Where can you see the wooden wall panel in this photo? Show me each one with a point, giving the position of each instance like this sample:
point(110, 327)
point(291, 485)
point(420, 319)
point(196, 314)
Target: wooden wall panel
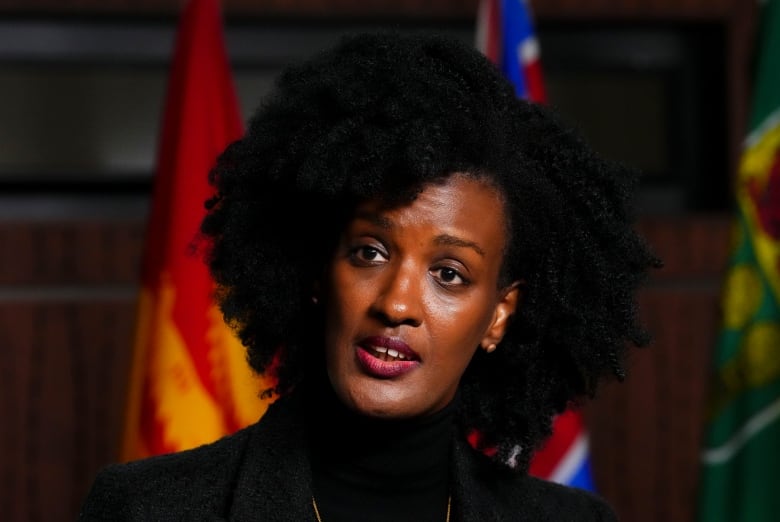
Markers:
point(41, 253)
point(67, 306)
point(63, 368)
point(602, 9)
point(613, 9)
point(693, 249)
point(237, 8)
point(646, 432)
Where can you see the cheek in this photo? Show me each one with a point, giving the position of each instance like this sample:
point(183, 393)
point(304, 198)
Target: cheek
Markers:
point(345, 294)
point(464, 321)
point(344, 300)
point(454, 342)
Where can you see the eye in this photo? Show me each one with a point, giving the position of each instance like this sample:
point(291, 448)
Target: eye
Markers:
point(448, 276)
point(367, 255)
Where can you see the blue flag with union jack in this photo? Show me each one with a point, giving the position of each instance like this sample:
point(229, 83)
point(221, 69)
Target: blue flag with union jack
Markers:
point(505, 34)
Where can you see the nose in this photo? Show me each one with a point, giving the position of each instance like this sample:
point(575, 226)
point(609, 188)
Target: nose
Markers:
point(399, 299)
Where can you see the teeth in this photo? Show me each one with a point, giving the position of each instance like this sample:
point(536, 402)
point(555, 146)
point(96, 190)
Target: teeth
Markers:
point(387, 354)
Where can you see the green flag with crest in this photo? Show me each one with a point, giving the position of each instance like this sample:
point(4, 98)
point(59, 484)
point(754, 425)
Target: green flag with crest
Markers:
point(740, 480)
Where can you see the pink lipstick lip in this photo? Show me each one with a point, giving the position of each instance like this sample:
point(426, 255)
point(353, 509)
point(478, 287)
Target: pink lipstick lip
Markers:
point(391, 344)
point(376, 367)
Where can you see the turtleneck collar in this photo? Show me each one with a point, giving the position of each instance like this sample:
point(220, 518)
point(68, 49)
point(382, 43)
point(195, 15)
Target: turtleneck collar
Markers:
point(373, 469)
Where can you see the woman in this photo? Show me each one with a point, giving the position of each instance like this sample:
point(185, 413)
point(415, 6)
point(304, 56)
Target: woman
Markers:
point(431, 269)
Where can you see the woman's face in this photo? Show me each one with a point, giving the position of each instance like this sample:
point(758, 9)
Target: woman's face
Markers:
point(411, 293)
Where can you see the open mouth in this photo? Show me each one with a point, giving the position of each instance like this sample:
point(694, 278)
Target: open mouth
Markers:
point(386, 357)
point(387, 354)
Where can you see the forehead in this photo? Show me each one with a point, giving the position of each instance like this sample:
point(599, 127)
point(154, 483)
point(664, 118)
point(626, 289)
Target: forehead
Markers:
point(460, 205)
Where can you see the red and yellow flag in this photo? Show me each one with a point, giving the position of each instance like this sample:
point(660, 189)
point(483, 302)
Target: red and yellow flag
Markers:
point(189, 382)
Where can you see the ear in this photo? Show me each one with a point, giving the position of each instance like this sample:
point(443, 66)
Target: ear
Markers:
point(507, 304)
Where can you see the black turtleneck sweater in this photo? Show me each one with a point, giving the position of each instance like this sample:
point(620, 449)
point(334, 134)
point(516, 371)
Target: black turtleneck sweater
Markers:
point(378, 470)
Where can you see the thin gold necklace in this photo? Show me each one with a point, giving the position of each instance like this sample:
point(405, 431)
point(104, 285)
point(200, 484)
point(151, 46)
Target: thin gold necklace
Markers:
point(319, 519)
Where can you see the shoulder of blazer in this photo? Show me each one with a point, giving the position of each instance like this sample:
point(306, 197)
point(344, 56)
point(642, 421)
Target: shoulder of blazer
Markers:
point(188, 483)
point(484, 491)
point(562, 503)
point(273, 483)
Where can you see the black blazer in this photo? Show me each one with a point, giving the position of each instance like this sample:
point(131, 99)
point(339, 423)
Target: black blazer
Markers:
point(262, 473)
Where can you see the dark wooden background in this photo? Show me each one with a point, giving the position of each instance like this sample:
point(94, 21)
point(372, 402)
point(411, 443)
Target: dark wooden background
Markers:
point(68, 289)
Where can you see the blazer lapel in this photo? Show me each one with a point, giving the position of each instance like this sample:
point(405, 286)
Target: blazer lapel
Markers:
point(474, 487)
point(274, 481)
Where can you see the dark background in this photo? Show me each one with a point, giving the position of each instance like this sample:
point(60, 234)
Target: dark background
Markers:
point(660, 84)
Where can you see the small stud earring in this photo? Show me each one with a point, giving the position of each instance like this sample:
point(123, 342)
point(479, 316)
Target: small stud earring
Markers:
point(491, 348)
point(314, 299)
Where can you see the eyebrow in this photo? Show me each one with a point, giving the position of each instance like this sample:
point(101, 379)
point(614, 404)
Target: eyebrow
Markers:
point(446, 239)
point(442, 239)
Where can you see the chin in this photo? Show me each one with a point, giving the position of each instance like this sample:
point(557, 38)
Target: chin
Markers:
point(378, 401)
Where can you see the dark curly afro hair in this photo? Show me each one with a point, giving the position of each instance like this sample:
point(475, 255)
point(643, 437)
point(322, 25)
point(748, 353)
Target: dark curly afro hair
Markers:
point(380, 116)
